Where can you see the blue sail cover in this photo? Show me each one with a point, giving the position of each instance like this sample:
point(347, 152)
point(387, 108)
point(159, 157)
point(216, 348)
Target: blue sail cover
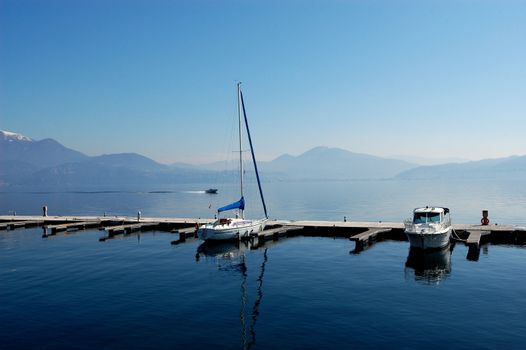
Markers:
point(240, 204)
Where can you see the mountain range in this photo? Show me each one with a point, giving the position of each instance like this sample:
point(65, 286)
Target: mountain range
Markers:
point(509, 168)
point(47, 163)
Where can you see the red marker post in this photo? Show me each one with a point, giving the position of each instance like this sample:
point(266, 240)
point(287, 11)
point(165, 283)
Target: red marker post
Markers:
point(485, 219)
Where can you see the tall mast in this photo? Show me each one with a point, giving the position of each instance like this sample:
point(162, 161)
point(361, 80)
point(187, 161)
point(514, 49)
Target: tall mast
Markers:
point(253, 155)
point(240, 142)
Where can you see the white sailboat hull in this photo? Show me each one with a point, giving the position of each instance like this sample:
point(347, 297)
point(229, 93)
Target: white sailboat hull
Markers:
point(235, 229)
point(429, 239)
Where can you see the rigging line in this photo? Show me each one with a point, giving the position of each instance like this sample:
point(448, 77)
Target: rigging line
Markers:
point(255, 309)
point(253, 156)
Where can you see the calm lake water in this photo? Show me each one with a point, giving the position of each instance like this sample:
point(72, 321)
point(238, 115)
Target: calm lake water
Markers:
point(387, 200)
point(74, 292)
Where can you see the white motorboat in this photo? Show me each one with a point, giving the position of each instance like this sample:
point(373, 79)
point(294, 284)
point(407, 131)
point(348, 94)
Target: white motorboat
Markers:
point(429, 228)
point(238, 227)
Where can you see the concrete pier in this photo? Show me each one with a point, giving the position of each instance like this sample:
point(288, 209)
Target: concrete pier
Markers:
point(11, 225)
point(360, 232)
point(367, 236)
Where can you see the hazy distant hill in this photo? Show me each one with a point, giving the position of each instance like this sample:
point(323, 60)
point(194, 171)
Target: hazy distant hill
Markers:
point(97, 174)
point(429, 160)
point(40, 154)
point(128, 160)
point(47, 163)
point(322, 163)
point(20, 156)
point(334, 163)
point(500, 168)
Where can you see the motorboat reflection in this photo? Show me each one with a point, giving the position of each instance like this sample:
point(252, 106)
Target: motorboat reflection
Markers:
point(429, 266)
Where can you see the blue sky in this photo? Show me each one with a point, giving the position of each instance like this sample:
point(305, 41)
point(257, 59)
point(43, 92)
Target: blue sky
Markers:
point(419, 78)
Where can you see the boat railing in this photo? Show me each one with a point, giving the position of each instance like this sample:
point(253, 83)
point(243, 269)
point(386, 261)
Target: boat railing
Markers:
point(408, 223)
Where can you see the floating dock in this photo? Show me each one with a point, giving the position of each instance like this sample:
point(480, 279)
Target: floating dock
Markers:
point(11, 225)
point(50, 230)
point(362, 233)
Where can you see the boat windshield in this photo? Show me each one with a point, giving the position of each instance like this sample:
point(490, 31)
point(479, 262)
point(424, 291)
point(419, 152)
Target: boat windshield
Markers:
point(422, 218)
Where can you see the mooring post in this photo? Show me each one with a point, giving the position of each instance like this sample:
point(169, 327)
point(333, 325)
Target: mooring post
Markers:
point(196, 229)
point(485, 219)
point(182, 237)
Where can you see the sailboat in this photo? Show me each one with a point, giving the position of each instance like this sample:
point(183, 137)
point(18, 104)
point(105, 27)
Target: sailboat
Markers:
point(238, 227)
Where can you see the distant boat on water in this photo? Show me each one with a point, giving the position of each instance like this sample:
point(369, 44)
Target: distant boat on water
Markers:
point(429, 228)
point(211, 191)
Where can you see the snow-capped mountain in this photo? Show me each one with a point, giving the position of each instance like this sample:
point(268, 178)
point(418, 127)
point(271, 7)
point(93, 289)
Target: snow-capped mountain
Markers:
point(47, 163)
point(17, 148)
point(13, 136)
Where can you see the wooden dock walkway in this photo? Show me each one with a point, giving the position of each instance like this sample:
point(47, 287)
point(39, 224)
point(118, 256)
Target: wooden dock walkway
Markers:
point(275, 233)
point(360, 232)
point(49, 220)
point(11, 225)
point(371, 233)
point(81, 225)
point(129, 228)
point(185, 233)
point(475, 237)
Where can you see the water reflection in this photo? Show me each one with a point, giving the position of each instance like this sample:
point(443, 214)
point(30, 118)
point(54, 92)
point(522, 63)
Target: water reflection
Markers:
point(223, 251)
point(231, 256)
point(429, 267)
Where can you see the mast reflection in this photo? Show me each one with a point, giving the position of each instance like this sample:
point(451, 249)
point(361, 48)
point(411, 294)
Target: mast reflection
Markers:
point(231, 256)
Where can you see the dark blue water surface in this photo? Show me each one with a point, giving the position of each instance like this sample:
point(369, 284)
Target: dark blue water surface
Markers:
point(73, 292)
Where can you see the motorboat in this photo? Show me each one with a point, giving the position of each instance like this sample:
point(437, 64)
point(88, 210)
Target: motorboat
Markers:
point(430, 228)
point(211, 191)
point(237, 227)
